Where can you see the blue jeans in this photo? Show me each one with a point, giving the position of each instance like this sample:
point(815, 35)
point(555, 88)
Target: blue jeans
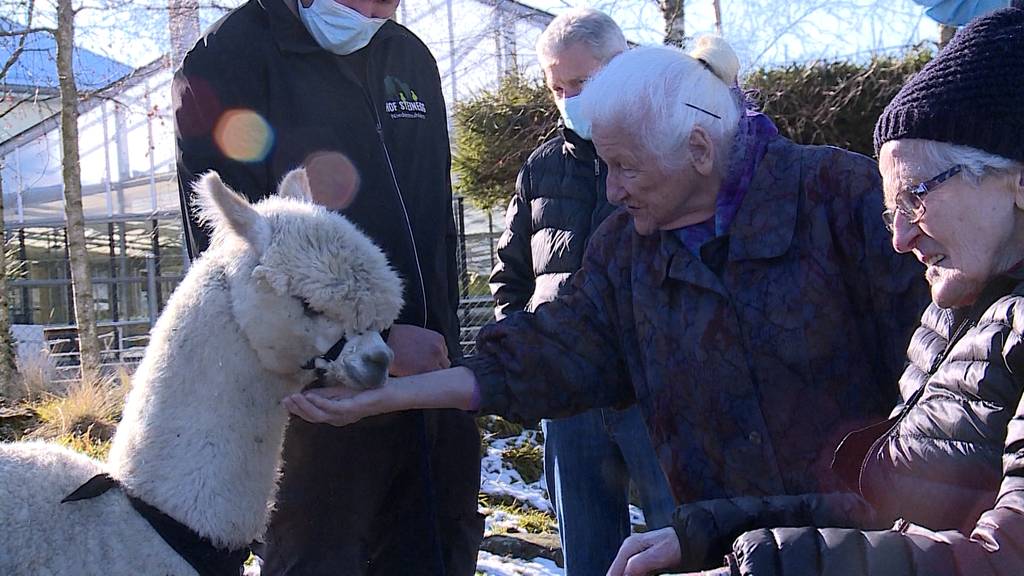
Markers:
point(588, 462)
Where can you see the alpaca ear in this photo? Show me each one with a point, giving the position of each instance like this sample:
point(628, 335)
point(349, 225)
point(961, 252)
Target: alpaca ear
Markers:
point(226, 212)
point(295, 184)
point(277, 282)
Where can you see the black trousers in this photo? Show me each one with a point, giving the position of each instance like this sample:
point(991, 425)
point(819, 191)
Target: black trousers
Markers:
point(390, 495)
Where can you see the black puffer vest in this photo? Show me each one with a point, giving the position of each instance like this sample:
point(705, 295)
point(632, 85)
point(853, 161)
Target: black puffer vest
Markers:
point(950, 434)
point(949, 464)
point(559, 201)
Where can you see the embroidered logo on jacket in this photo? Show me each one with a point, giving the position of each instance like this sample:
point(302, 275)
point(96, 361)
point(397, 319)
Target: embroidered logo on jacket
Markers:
point(402, 101)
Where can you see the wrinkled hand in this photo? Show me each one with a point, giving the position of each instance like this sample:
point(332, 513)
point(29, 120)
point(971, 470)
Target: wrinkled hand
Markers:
point(648, 553)
point(339, 405)
point(417, 350)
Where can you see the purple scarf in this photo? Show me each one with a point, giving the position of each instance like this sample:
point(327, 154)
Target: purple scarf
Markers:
point(753, 134)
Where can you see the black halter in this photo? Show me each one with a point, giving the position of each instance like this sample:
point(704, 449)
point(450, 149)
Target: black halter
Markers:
point(199, 552)
point(331, 355)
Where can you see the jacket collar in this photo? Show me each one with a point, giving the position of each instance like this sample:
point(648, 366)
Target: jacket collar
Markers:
point(291, 35)
point(575, 145)
point(763, 228)
point(765, 225)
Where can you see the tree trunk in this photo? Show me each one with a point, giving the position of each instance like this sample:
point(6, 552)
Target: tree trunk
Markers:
point(183, 21)
point(945, 35)
point(672, 11)
point(81, 281)
point(8, 367)
point(718, 17)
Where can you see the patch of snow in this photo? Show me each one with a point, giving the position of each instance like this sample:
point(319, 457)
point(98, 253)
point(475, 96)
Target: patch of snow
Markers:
point(636, 517)
point(491, 565)
point(498, 479)
point(500, 522)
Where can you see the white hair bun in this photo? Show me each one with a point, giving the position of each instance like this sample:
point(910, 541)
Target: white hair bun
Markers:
point(718, 56)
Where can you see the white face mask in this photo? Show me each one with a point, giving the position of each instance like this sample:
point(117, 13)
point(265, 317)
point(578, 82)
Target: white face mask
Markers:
point(572, 115)
point(338, 28)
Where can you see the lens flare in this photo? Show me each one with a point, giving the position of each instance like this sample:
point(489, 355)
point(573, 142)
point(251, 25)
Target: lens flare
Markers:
point(243, 135)
point(333, 179)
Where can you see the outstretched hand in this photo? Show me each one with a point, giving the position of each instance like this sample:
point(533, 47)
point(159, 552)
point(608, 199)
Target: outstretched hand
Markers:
point(339, 405)
point(648, 553)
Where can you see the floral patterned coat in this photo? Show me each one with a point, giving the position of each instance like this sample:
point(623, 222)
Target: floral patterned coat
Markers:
point(749, 362)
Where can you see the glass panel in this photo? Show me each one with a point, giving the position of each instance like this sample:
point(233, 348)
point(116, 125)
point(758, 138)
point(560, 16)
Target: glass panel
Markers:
point(97, 245)
point(45, 254)
point(39, 166)
point(101, 293)
point(50, 304)
point(131, 300)
point(120, 284)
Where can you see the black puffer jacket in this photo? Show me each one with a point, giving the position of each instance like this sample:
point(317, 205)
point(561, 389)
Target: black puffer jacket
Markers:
point(559, 201)
point(949, 463)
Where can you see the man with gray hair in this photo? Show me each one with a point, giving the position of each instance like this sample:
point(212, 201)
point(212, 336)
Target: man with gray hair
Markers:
point(559, 201)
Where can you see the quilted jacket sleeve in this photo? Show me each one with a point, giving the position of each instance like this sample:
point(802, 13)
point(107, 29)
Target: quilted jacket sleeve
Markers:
point(706, 529)
point(994, 548)
point(512, 280)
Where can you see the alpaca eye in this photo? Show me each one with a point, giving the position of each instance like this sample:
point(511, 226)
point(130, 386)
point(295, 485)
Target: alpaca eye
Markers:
point(307, 309)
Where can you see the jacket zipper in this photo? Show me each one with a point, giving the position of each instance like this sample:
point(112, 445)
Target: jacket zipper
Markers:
point(960, 331)
point(398, 192)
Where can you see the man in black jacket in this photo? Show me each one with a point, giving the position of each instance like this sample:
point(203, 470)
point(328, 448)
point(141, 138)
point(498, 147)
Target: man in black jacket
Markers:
point(337, 87)
point(560, 200)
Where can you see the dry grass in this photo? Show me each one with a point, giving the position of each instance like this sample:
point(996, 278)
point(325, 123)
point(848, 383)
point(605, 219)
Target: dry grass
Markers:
point(33, 381)
point(90, 409)
point(86, 444)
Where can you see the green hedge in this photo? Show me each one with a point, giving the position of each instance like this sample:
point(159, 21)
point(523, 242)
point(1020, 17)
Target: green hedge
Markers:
point(495, 133)
point(834, 103)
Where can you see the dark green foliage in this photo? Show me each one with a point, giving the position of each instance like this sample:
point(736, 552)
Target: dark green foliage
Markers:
point(495, 133)
point(834, 103)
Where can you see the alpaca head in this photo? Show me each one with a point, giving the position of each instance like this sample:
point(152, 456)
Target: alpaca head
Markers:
point(301, 279)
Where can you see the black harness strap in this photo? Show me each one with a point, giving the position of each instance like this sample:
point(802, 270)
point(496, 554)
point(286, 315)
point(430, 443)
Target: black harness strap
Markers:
point(200, 553)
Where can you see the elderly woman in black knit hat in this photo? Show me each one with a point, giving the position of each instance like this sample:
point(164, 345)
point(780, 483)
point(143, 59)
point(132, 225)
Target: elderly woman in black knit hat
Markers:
point(948, 467)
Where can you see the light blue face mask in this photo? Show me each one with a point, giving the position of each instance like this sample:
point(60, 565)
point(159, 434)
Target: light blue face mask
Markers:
point(573, 117)
point(960, 12)
point(338, 28)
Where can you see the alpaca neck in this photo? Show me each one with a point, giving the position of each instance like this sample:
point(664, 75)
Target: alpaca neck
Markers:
point(203, 428)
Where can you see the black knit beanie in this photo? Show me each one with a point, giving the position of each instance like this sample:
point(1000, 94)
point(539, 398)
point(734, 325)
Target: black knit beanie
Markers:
point(971, 94)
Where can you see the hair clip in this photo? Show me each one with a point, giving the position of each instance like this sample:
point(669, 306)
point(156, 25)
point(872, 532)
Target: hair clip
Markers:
point(703, 110)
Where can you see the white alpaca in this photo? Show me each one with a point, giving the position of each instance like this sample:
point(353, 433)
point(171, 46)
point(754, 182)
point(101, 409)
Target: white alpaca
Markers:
point(202, 430)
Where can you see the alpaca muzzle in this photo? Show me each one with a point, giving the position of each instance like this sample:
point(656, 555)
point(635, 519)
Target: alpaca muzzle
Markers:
point(318, 363)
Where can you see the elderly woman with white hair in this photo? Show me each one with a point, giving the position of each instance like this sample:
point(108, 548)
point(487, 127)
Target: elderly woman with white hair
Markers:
point(948, 467)
point(591, 459)
point(744, 295)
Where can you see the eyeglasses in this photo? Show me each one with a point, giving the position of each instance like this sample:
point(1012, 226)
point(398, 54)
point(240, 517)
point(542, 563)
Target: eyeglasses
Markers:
point(910, 201)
